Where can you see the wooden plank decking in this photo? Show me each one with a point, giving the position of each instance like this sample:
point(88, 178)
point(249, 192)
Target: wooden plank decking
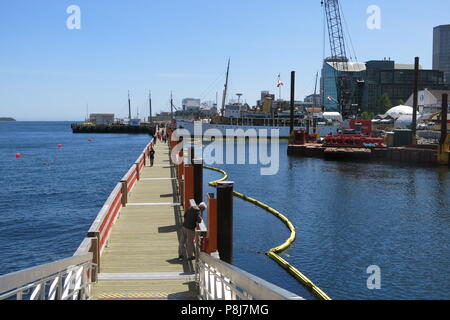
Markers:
point(141, 259)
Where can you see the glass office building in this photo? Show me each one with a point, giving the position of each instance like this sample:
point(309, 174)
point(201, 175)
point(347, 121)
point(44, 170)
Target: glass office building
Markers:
point(441, 50)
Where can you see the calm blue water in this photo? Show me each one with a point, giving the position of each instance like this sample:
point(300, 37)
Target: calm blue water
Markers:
point(46, 210)
point(348, 217)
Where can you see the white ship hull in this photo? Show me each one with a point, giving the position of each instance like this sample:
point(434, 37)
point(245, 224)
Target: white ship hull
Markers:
point(205, 129)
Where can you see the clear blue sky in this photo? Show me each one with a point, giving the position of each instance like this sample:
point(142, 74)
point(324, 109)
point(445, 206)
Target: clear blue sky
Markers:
point(48, 72)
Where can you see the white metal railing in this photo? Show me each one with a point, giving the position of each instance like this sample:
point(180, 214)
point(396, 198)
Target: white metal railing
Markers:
point(68, 279)
point(218, 280)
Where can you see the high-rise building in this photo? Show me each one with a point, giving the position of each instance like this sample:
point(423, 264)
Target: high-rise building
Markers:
point(441, 50)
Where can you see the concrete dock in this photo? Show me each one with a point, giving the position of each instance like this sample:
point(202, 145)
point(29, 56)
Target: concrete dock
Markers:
point(140, 260)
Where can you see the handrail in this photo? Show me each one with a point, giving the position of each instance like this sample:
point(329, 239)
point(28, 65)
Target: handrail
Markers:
point(75, 270)
point(110, 211)
point(104, 211)
point(220, 280)
point(84, 247)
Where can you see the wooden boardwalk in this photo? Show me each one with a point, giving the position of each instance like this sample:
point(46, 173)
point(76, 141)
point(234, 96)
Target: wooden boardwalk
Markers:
point(141, 258)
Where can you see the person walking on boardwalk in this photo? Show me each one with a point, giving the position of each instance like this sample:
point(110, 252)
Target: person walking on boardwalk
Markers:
point(191, 218)
point(152, 156)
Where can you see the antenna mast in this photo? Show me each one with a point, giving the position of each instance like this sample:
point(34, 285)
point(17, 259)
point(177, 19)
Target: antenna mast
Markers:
point(225, 90)
point(129, 105)
point(315, 91)
point(171, 106)
point(150, 119)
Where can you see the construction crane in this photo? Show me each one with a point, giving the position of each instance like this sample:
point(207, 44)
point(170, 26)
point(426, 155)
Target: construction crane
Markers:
point(339, 59)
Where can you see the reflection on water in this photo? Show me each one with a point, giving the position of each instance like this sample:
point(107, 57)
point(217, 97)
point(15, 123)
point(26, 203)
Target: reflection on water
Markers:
point(348, 216)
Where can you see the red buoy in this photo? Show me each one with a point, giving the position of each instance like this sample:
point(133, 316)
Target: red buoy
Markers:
point(90, 140)
point(18, 155)
point(59, 145)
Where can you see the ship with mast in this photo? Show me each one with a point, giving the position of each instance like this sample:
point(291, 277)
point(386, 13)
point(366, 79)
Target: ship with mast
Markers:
point(270, 115)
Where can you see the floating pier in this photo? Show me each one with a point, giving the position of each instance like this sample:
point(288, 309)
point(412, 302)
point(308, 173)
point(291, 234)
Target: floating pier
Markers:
point(414, 154)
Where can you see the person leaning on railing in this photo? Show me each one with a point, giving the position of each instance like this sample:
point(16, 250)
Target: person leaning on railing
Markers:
point(191, 218)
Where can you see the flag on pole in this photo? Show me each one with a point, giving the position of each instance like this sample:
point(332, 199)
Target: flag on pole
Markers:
point(280, 83)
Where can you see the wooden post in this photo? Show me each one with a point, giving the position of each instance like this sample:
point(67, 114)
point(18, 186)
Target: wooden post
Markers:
point(137, 171)
point(124, 192)
point(225, 220)
point(211, 242)
point(95, 249)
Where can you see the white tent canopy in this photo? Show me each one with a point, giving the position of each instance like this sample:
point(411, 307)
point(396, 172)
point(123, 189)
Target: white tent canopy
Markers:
point(336, 116)
point(402, 114)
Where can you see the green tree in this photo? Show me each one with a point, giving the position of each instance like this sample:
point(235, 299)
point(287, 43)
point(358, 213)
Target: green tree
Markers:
point(367, 115)
point(401, 102)
point(385, 103)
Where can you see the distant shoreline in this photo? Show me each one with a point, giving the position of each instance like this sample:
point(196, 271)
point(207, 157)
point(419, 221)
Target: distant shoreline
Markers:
point(4, 119)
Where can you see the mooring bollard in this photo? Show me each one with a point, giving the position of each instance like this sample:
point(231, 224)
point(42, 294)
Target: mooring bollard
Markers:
point(225, 220)
point(198, 180)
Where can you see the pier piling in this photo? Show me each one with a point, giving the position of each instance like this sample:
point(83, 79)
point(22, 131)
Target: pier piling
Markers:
point(198, 180)
point(225, 220)
point(444, 118)
point(291, 127)
point(415, 98)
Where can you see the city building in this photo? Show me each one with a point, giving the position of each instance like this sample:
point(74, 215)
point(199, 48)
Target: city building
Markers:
point(264, 95)
point(441, 50)
point(330, 68)
point(101, 118)
point(373, 79)
point(397, 81)
point(429, 101)
point(191, 104)
point(314, 98)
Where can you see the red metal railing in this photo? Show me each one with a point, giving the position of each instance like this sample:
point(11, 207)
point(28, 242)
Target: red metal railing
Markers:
point(100, 229)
